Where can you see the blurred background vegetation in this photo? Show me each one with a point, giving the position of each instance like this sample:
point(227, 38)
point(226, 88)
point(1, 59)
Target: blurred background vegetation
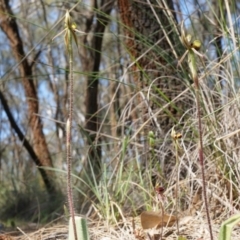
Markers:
point(128, 81)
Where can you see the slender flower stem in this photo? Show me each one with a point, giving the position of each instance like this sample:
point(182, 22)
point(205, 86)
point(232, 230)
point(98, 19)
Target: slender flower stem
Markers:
point(68, 42)
point(193, 69)
point(175, 137)
point(70, 35)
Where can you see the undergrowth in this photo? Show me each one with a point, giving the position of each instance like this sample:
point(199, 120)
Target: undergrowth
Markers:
point(136, 162)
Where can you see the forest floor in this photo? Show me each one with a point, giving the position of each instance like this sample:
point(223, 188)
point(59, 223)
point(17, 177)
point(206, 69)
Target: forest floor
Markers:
point(194, 228)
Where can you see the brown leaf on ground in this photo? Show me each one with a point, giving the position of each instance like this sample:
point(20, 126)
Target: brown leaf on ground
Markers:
point(150, 219)
point(5, 237)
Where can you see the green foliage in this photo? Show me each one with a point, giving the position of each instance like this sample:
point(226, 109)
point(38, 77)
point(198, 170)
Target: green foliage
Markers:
point(181, 238)
point(82, 229)
point(123, 187)
point(31, 204)
point(227, 227)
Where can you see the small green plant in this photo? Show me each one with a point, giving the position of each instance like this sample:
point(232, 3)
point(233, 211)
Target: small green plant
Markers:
point(192, 47)
point(227, 227)
point(70, 34)
point(81, 227)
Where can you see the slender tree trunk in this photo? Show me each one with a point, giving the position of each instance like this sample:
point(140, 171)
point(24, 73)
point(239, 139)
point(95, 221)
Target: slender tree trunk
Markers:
point(91, 53)
point(94, 57)
point(10, 28)
point(47, 181)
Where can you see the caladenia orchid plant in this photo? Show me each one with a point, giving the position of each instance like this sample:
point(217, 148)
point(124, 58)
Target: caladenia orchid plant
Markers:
point(192, 47)
point(77, 225)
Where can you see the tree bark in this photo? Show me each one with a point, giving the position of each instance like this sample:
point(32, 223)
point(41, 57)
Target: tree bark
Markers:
point(26, 144)
point(149, 30)
point(10, 28)
point(91, 64)
point(155, 47)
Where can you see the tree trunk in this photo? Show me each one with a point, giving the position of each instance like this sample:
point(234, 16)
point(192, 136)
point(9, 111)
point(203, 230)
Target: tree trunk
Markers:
point(93, 53)
point(91, 58)
point(154, 45)
point(10, 28)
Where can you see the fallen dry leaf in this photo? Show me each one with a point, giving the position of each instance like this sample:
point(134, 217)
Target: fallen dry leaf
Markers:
point(150, 219)
point(5, 237)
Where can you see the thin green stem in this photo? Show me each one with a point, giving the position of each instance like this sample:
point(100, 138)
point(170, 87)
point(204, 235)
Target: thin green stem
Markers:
point(193, 69)
point(177, 186)
point(174, 136)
